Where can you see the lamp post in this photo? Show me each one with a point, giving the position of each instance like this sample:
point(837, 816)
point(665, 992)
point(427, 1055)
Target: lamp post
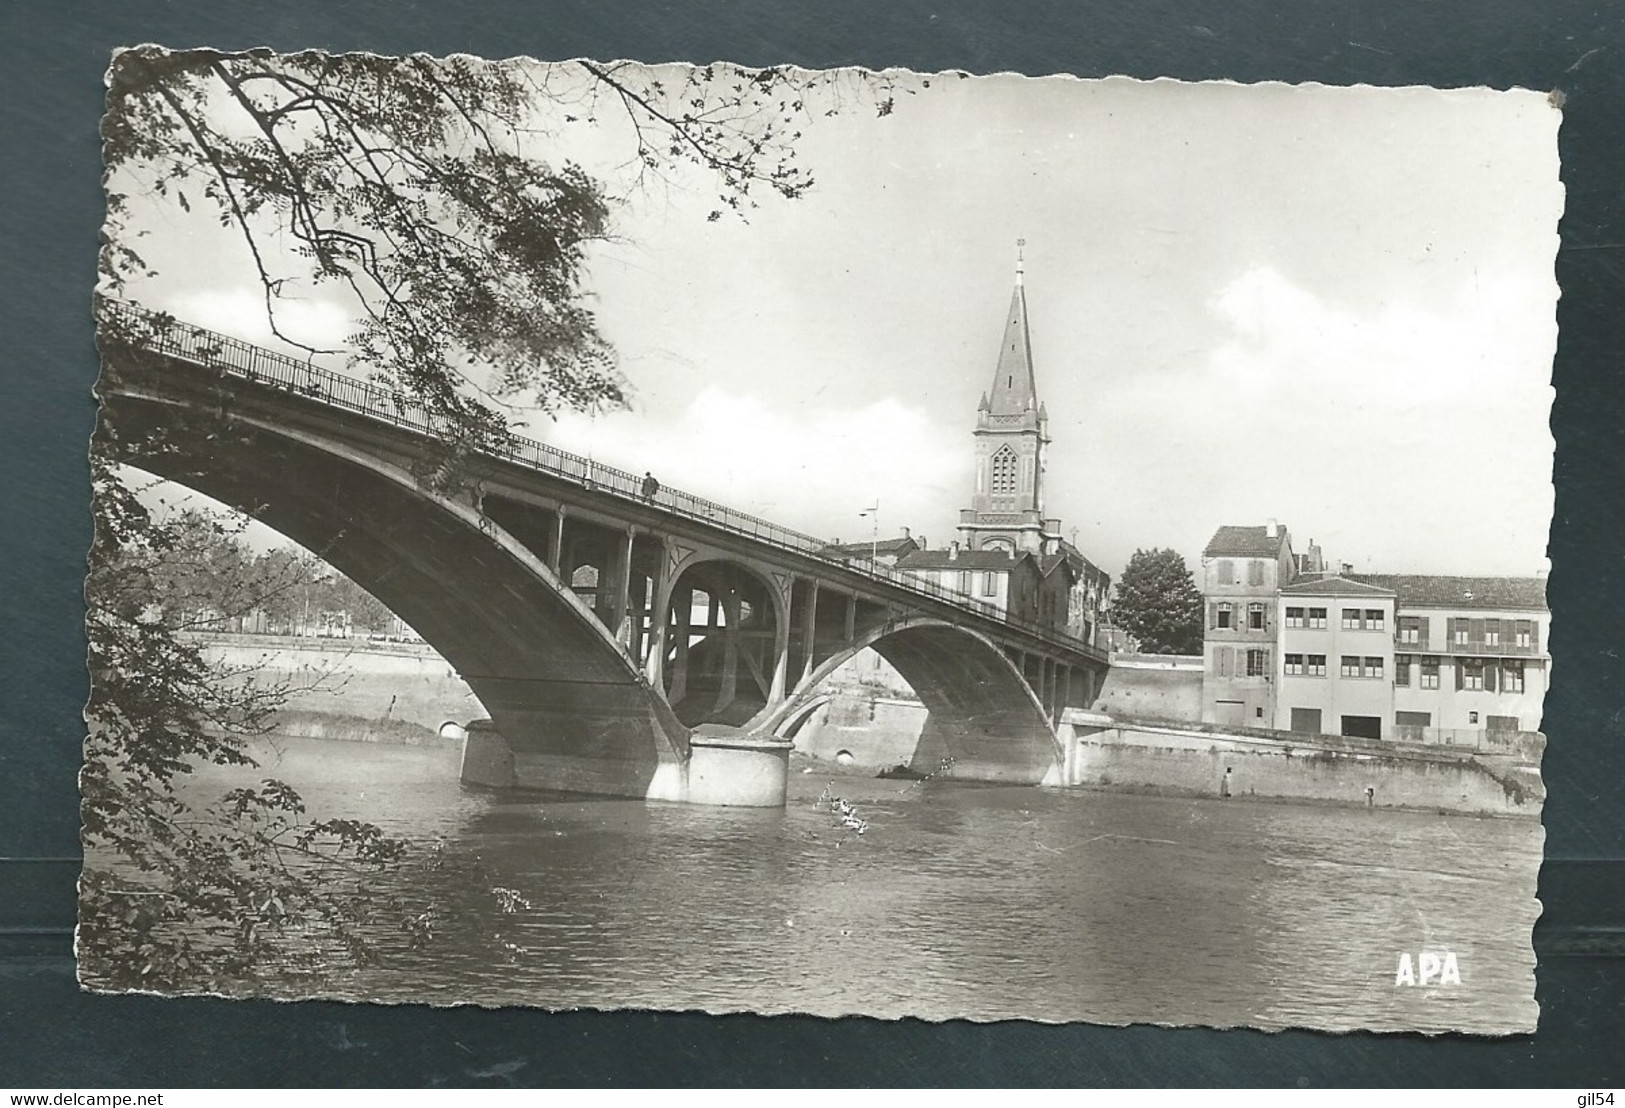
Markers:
point(873, 512)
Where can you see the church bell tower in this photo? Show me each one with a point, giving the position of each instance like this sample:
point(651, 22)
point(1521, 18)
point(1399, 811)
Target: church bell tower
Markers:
point(1012, 430)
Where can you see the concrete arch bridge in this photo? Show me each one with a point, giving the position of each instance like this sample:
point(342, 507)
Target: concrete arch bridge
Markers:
point(623, 644)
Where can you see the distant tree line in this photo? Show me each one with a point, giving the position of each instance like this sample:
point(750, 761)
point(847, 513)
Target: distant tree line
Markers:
point(210, 579)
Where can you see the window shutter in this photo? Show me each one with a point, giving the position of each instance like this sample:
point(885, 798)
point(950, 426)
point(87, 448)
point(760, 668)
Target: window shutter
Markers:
point(1475, 630)
point(1455, 664)
point(1212, 616)
point(1534, 634)
point(1489, 675)
point(1422, 629)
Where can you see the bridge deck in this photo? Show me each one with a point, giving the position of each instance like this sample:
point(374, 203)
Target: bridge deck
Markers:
point(162, 334)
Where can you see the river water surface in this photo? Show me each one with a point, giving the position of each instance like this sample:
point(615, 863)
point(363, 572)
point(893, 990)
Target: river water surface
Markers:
point(958, 901)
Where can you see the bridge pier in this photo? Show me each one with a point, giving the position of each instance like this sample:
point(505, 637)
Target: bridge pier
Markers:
point(723, 769)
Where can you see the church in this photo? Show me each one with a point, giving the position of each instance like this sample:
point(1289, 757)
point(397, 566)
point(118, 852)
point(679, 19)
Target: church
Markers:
point(1009, 556)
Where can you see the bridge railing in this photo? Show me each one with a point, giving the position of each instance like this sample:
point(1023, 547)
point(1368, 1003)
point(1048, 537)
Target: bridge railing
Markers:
point(163, 334)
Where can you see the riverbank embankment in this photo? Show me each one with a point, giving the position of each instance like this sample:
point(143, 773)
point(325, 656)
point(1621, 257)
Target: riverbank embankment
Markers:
point(354, 690)
point(1176, 759)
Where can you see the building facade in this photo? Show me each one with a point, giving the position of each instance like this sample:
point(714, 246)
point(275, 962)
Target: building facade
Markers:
point(1243, 569)
point(1470, 655)
point(1034, 588)
point(1334, 671)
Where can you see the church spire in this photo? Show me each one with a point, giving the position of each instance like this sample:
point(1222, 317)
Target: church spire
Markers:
point(1014, 390)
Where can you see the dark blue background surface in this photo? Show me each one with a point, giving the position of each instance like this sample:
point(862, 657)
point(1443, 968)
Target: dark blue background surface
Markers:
point(52, 57)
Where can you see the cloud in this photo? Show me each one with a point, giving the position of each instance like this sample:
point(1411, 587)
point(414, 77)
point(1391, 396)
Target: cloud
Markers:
point(1401, 437)
point(240, 312)
point(813, 468)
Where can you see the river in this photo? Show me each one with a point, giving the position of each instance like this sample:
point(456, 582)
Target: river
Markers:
point(958, 901)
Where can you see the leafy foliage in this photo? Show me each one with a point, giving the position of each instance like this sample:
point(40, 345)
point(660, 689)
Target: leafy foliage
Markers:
point(408, 185)
point(1157, 602)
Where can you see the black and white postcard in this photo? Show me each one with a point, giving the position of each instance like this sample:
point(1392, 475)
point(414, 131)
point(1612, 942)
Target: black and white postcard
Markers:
point(597, 535)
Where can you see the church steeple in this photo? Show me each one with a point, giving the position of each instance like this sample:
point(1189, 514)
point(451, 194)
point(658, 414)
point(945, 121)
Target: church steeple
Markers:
point(1014, 390)
point(1012, 429)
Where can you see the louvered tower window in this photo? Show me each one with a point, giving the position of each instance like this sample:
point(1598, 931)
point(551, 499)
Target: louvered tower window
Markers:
point(1004, 472)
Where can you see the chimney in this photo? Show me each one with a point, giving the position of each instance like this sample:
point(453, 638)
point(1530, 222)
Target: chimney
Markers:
point(953, 550)
point(905, 533)
point(1272, 529)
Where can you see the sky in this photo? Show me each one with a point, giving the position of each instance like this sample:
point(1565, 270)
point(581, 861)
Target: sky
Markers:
point(1330, 307)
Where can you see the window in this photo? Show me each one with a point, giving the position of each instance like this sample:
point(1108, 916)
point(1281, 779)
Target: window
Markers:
point(1373, 667)
point(964, 581)
point(990, 583)
point(1222, 661)
point(1255, 617)
point(1226, 617)
point(1258, 663)
point(1315, 665)
point(1501, 723)
point(1294, 664)
point(1004, 472)
point(1350, 666)
point(1469, 674)
point(1351, 619)
point(1410, 630)
point(1492, 632)
point(1413, 719)
point(1525, 633)
point(1374, 619)
point(1512, 677)
point(1472, 717)
point(1294, 617)
point(1227, 572)
point(1402, 670)
point(1255, 572)
point(1317, 617)
point(1430, 673)
point(1459, 629)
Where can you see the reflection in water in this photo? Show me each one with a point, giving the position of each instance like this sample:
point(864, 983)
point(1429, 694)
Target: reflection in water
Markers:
point(983, 902)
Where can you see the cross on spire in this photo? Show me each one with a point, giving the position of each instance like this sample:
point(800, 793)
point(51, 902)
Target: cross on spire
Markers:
point(1021, 259)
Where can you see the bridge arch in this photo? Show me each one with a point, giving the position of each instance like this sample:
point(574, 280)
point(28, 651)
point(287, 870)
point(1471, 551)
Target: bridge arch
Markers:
point(560, 688)
point(720, 658)
point(981, 713)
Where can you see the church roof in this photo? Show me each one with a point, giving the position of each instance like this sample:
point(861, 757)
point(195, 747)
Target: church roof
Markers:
point(1014, 390)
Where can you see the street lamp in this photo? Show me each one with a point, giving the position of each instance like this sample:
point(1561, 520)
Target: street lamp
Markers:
point(873, 512)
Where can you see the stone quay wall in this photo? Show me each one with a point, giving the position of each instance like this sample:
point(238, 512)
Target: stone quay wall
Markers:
point(1106, 753)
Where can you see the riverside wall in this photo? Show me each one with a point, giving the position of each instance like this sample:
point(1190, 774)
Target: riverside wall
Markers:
point(864, 729)
point(354, 690)
point(1102, 752)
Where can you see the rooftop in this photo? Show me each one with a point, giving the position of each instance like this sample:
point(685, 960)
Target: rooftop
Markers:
point(1244, 542)
point(966, 559)
point(1334, 586)
point(881, 549)
point(1426, 591)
